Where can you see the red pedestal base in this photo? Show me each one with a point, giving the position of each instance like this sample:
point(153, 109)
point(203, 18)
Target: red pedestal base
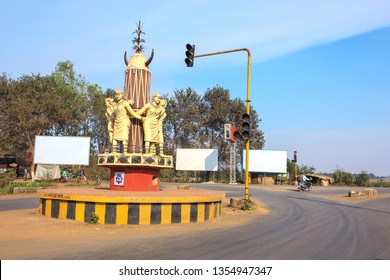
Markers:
point(138, 178)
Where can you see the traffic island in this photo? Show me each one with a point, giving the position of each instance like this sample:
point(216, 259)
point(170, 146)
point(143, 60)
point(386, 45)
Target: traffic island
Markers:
point(362, 193)
point(102, 206)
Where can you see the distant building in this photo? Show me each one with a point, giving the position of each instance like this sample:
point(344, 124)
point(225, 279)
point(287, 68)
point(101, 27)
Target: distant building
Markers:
point(320, 180)
point(268, 178)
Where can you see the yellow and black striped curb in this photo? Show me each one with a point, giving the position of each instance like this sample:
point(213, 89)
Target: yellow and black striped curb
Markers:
point(131, 210)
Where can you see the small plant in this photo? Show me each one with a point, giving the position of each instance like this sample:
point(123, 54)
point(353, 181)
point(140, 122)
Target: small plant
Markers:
point(247, 206)
point(97, 180)
point(94, 218)
point(6, 178)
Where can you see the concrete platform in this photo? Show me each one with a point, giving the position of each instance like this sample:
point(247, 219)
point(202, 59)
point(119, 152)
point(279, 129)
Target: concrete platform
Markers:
point(166, 206)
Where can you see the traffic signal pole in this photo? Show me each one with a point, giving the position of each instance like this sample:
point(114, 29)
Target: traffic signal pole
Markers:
point(248, 110)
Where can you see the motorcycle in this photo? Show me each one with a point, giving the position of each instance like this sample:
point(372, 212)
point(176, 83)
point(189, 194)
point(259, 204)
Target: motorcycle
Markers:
point(304, 186)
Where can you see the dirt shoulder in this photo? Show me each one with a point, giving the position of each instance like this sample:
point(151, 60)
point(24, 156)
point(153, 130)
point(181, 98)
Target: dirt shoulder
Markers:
point(26, 234)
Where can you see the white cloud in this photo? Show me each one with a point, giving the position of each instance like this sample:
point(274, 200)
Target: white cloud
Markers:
point(268, 28)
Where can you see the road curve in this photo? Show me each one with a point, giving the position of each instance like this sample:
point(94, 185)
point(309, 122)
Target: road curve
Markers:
point(301, 226)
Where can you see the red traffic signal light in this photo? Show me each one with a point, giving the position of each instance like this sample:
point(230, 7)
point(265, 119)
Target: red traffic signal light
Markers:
point(190, 53)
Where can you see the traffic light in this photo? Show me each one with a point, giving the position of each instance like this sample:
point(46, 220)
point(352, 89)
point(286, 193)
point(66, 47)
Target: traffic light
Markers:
point(233, 130)
point(245, 132)
point(295, 156)
point(237, 135)
point(190, 53)
point(246, 126)
point(230, 131)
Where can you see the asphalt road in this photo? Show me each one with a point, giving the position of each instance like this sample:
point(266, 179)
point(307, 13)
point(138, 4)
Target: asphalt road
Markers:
point(301, 226)
point(10, 202)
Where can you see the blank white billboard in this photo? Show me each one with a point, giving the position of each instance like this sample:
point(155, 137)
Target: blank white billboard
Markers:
point(197, 159)
point(266, 161)
point(63, 150)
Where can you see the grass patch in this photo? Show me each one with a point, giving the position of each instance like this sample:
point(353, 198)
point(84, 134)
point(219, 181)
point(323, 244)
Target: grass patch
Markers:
point(25, 187)
point(379, 184)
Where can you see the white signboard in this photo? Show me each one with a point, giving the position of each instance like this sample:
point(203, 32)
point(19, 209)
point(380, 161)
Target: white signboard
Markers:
point(197, 159)
point(266, 161)
point(63, 150)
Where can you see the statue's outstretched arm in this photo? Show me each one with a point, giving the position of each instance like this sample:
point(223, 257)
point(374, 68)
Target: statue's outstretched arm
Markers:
point(143, 109)
point(132, 112)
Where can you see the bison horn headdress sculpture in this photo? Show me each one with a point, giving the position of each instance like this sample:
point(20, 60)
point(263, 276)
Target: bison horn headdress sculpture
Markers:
point(146, 62)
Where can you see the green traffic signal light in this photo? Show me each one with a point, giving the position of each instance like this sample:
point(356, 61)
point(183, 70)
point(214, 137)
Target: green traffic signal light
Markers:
point(190, 53)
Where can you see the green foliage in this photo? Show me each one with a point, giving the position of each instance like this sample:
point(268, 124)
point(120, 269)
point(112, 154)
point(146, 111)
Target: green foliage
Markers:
point(65, 104)
point(292, 170)
point(7, 177)
point(247, 206)
point(378, 184)
point(95, 173)
point(343, 178)
point(197, 121)
point(35, 184)
point(5, 190)
point(94, 219)
point(167, 175)
point(305, 169)
point(61, 103)
point(362, 179)
point(25, 187)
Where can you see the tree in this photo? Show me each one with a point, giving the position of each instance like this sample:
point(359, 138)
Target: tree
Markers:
point(58, 104)
point(221, 109)
point(65, 104)
point(87, 106)
point(73, 92)
point(184, 119)
point(292, 170)
point(362, 179)
point(342, 177)
point(97, 120)
point(307, 169)
point(30, 106)
point(195, 121)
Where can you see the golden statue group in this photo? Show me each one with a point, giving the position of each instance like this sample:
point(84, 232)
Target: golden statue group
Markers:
point(135, 123)
point(119, 113)
point(131, 106)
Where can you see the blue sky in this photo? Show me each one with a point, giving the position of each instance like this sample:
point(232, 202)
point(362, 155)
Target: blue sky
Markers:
point(319, 72)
